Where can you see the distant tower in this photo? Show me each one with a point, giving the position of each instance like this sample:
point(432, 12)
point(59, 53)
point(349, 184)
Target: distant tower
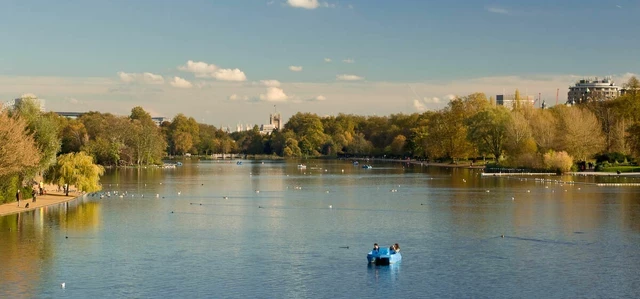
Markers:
point(275, 120)
point(32, 97)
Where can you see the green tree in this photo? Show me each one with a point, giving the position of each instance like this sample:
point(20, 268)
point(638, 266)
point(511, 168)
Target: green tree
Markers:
point(44, 129)
point(308, 126)
point(291, 148)
point(488, 130)
point(146, 141)
point(633, 139)
point(398, 145)
point(183, 134)
point(76, 169)
point(74, 136)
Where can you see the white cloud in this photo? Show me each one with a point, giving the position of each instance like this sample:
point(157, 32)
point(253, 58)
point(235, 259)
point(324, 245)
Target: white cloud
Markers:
point(274, 94)
point(319, 98)
point(205, 70)
point(433, 100)
point(235, 97)
point(104, 94)
point(230, 75)
point(327, 60)
point(180, 83)
point(145, 78)
point(310, 4)
point(307, 4)
point(152, 78)
point(126, 77)
point(328, 5)
point(346, 77)
point(450, 97)
point(419, 106)
point(348, 60)
point(498, 10)
point(295, 68)
point(270, 83)
point(198, 68)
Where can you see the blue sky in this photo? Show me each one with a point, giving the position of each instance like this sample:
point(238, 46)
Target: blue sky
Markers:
point(248, 55)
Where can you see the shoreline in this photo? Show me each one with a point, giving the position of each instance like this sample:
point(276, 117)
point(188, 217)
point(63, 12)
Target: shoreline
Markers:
point(422, 163)
point(51, 198)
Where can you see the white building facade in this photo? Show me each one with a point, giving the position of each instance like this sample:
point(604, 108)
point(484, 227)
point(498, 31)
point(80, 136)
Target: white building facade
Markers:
point(587, 90)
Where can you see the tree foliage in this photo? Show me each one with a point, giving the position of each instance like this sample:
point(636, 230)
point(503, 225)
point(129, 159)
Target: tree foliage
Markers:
point(18, 149)
point(76, 169)
point(44, 128)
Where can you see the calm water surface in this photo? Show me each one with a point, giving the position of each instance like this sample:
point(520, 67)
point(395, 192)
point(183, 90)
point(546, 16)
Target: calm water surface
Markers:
point(271, 230)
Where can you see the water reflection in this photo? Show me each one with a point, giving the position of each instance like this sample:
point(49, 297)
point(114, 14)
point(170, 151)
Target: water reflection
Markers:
point(27, 242)
point(384, 276)
point(286, 240)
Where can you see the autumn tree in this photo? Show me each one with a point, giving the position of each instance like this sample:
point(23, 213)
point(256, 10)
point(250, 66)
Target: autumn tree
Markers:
point(76, 169)
point(581, 135)
point(44, 129)
point(544, 126)
point(18, 149)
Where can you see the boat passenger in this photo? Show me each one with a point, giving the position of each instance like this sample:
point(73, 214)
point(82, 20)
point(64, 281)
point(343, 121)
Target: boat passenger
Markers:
point(396, 247)
point(376, 248)
point(392, 249)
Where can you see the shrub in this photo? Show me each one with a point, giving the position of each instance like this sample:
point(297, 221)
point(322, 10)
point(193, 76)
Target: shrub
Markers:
point(558, 161)
point(611, 157)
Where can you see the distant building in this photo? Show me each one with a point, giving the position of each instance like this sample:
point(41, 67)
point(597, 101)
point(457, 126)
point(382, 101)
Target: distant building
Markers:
point(158, 120)
point(27, 96)
point(592, 90)
point(275, 123)
point(70, 115)
point(509, 100)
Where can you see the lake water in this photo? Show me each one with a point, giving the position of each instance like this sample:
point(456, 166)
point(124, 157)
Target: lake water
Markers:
point(266, 229)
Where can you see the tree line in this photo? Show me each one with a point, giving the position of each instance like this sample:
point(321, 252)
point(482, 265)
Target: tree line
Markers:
point(469, 127)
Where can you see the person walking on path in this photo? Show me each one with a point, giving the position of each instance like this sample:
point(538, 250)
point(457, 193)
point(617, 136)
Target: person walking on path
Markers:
point(18, 197)
point(34, 194)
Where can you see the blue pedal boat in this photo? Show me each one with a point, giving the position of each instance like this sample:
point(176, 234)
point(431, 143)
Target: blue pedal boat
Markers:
point(384, 256)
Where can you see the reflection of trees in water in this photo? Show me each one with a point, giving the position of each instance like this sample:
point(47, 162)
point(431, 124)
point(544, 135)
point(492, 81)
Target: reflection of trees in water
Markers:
point(27, 244)
point(76, 216)
point(565, 207)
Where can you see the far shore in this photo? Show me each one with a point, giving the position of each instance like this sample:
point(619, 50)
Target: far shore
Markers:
point(52, 197)
point(482, 166)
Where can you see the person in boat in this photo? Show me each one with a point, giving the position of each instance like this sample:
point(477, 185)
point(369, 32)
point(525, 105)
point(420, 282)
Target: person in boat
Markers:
point(396, 247)
point(376, 248)
point(392, 249)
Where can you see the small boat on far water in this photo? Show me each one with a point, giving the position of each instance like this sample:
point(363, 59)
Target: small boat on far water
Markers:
point(367, 166)
point(302, 166)
point(383, 256)
point(178, 163)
